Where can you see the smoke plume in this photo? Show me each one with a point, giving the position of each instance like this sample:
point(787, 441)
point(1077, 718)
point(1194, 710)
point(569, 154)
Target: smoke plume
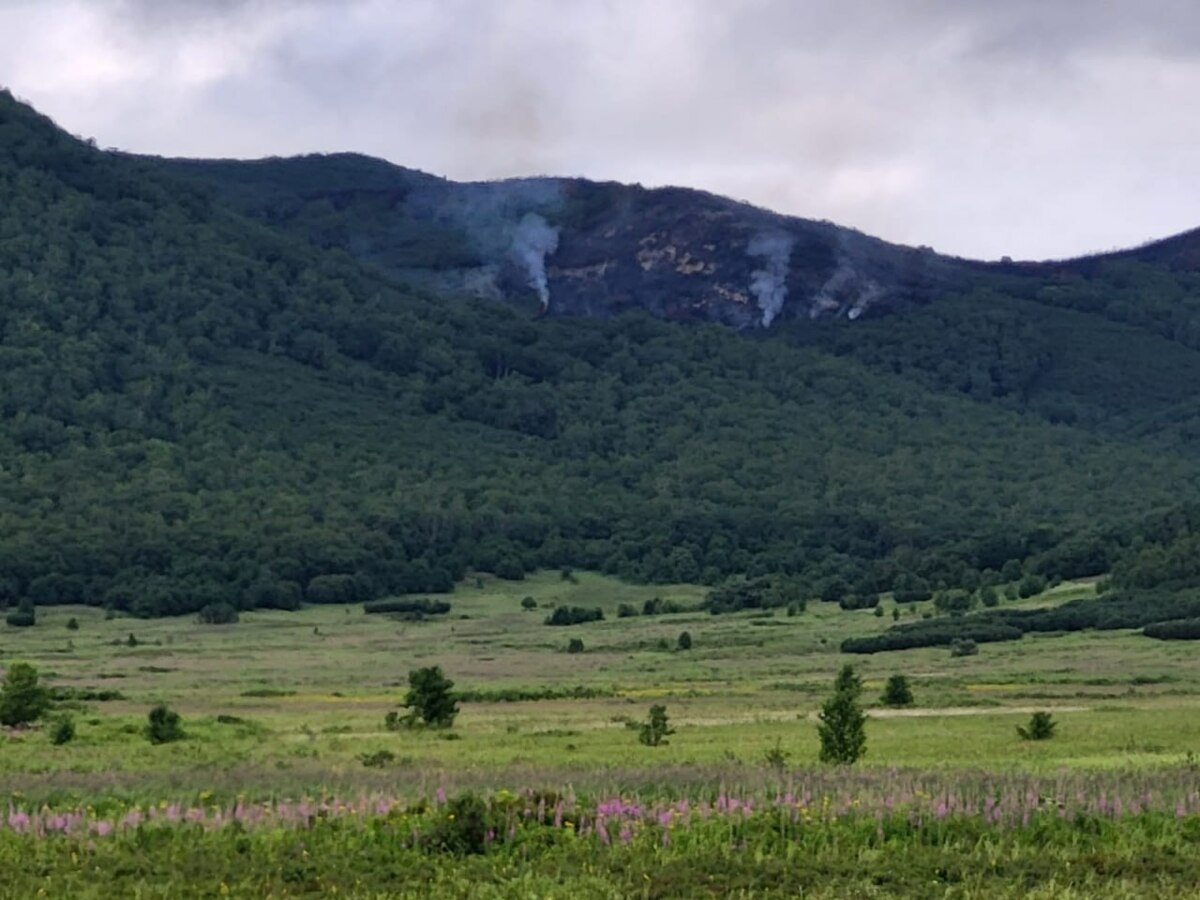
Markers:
point(533, 239)
point(769, 283)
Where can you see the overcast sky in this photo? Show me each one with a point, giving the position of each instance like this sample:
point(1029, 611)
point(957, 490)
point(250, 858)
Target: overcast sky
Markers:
point(1032, 128)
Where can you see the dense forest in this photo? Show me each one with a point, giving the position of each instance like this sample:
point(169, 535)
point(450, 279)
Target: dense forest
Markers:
point(198, 407)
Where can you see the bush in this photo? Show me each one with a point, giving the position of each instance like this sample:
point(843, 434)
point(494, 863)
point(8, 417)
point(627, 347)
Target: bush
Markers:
point(1040, 728)
point(654, 731)
point(842, 721)
point(463, 829)
point(897, 692)
point(528, 603)
point(1031, 586)
point(163, 725)
point(626, 611)
point(575, 645)
point(22, 698)
point(72, 624)
point(963, 647)
point(20, 619)
point(574, 615)
point(684, 641)
point(62, 731)
point(377, 760)
point(218, 614)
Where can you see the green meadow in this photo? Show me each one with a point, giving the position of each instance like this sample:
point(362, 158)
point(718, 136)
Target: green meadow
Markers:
point(309, 690)
point(280, 786)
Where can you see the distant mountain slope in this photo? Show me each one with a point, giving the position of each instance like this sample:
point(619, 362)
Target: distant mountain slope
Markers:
point(197, 403)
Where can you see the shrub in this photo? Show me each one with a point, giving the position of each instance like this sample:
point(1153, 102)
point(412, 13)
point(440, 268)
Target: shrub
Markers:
point(163, 725)
point(377, 760)
point(218, 614)
point(897, 692)
point(72, 624)
point(654, 731)
point(420, 607)
point(575, 645)
point(626, 611)
point(463, 829)
point(776, 757)
point(878, 612)
point(963, 647)
point(62, 731)
point(842, 722)
point(1040, 728)
point(1174, 630)
point(528, 603)
point(912, 596)
point(429, 699)
point(1031, 586)
point(684, 642)
point(22, 698)
point(574, 615)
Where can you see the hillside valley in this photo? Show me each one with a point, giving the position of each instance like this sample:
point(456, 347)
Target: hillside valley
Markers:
point(330, 379)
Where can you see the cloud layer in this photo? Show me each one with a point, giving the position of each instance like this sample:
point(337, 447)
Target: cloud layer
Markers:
point(1022, 128)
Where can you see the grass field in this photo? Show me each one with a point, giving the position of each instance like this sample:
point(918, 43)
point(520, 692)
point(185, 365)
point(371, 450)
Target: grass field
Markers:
point(309, 691)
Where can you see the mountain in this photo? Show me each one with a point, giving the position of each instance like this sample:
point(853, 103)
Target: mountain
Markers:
point(297, 380)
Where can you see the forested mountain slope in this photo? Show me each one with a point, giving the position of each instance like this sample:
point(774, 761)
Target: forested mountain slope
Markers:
point(199, 401)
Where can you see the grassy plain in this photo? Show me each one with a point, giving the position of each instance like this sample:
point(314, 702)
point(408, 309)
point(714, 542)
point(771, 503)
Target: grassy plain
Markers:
point(312, 688)
point(281, 709)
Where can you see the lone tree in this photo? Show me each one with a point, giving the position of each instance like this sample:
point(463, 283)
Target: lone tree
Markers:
point(841, 728)
point(1040, 728)
point(654, 730)
point(897, 692)
point(429, 699)
point(163, 725)
point(685, 641)
point(22, 699)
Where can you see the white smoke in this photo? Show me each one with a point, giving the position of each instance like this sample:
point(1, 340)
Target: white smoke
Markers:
point(769, 283)
point(533, 239)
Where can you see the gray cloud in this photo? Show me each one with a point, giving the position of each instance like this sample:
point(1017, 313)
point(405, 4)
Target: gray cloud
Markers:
point(1024, 128)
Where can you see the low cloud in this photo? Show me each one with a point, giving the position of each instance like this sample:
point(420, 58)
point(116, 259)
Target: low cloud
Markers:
point(1026, 128)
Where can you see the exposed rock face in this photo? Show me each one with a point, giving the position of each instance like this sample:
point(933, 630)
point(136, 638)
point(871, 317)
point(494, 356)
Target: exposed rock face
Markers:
point(584, 248)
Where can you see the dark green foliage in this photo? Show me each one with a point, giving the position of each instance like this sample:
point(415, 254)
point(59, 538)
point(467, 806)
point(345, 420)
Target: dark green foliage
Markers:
point(22, 698)
point(841, 725)
point(1040, 728)
point(953, 601)
point(218, 614)
point(72, 624)
point(421, 607)
point(574, 615)
point(684, 641)
point(1174, 630)
point(378, 759)
point(1031, 586)
point(132, 640)
point(989, 597)
point(430, 699)
point(912, 596)
point(379, 433)
point(24, 616)
point(525, 695)
point(626, 611)
point(963, 647)
point(528, 603)
point(655, 730)
point(897, 692)
point(164, 725)
point(859, 601)
point(462, 828)
point(575, 645)
point(932, 633)
point(62, 730)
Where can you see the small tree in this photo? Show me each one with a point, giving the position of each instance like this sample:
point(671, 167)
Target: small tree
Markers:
point(72, 624)
point(1040, 728)
point(841, 729)
point(575, 645)
point(163, 725)
point(685, 641)
point(528, 603)
point(963, 647)
point(63, 731)
point(429, 699)
point(654, 730)
point(22, 698)
point(897, 692)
